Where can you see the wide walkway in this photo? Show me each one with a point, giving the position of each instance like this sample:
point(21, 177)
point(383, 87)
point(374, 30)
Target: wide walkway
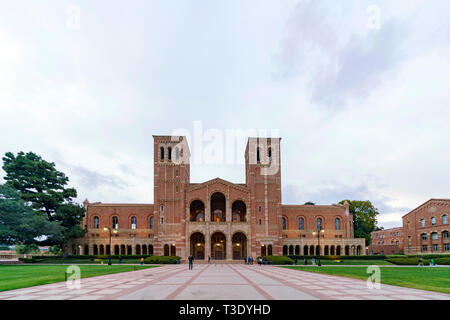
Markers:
point(219, 281)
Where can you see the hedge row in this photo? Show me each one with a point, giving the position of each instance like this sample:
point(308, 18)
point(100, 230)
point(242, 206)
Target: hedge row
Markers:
point(92, 256)
point(162, 260)
point(301, 257)
point(415, 261)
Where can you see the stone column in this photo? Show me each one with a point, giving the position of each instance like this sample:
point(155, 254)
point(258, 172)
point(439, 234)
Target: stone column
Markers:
point(229, 248)
point(207, 245)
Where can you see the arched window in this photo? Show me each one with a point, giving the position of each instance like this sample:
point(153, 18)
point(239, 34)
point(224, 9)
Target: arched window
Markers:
point(169, 153)
point(270, 154)
point(96, 222)
point(301, 224)
point(133, 222)
point(151, 222)
point(445, 234)
point(177, 153)
point(434, 236)
point(115, 222)
point(408, 225)
point(319, 223)
point(162, 153)
point(445, 219)
point(258, 158)
point(422, 222)
point(433, 221)
point(424, 236)
point(337, 224)
point(283, 223)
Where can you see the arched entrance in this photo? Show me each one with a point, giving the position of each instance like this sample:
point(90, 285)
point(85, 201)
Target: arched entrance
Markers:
point(166, 249)
point(197, 211)
point(239, 242)
point(218, 207)
point(218, 246)
point(198, 246)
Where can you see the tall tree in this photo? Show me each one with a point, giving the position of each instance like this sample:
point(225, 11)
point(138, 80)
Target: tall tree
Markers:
point(19, 223)
point(40, 184)
point(38, 181)
point(364, 218)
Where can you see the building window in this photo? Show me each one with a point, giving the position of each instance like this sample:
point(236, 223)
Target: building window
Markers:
point(445, 235)
point(422, 222)
point(177, 153)
point(435, 247)
point(445, 219)
point(259, 221)
point(176, 189)
point(425, 248)
point(319, 223)
point(433, 221)
point(96, 222)
point(270, 154)
point(424, 236)
point(176, 173)
point(258, 158)
point(115, 222)
point(447, 247)
point(162, 153)
point(169, 153)
point(133, 222)
point(301, 224)
point(283, 222)
point(337, 224)
point(259, 208)
point(162, 220)
point(408, 225)
point(151, 222)
point(434, 236)
point(161, 208)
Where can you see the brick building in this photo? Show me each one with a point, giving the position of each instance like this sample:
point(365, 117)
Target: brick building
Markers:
point(426, 228)
point(388, 241)
point(217, 218)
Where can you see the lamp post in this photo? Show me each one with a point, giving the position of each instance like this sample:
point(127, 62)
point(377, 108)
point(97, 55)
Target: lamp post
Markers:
point(110, 242)
point(319, 231)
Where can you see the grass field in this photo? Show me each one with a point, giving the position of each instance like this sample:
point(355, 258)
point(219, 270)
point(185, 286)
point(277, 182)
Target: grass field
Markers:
point(22, 276)
point(425, 278)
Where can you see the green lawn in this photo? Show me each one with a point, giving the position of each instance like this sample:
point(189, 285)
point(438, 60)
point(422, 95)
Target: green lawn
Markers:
point(425, 278)
point(22, 276)
point(349, 262)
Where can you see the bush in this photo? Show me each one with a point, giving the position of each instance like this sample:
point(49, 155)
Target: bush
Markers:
point(161, 260)
point(411, 261)
point(301, 257)
point(26, 248)
point(280, 260)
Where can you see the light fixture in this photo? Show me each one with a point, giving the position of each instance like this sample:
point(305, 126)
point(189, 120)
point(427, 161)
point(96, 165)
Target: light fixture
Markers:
point(238, 245)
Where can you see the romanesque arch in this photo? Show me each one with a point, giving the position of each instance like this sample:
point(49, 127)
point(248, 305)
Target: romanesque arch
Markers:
point(239, 211)
point(197, 211)
point(239, 245)
point(218, 207)
point(218, 246)
point(197, 244)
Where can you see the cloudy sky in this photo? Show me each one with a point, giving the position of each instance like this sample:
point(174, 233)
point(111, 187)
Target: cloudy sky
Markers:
point(358, 91)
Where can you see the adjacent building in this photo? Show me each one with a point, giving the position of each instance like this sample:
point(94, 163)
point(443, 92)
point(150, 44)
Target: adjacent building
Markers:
point(217, 218)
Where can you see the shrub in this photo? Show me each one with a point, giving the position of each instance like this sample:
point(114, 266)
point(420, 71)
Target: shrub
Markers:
point(280, 260)
point(373, 257)
point(161, 260)
point(26, 248)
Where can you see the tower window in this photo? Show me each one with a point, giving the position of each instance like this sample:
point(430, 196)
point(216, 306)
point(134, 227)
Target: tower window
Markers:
point(169, 153)
point(162, 153)
point(270, 154)
point(133, 222)
point(258, 158)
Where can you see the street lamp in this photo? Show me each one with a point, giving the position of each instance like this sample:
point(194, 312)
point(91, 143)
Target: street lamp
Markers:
point(318, 232)
point(110, 244)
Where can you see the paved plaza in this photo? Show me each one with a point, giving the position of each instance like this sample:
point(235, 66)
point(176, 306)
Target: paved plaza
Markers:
point(219, 282)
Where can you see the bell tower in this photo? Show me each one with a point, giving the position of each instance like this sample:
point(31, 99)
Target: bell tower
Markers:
point(263, 177)
point(171, 177)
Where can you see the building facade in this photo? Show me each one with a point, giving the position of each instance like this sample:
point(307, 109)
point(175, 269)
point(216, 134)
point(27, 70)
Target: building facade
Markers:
point(388, 241)
point(217, 218)
point(426, 228)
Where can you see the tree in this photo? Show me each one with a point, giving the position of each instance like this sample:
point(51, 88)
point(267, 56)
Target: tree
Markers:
point(364, 218)
point(40, 184)
point(19, 224)
point(38, 181)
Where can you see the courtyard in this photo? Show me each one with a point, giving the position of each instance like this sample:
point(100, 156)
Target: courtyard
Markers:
point(220, 282)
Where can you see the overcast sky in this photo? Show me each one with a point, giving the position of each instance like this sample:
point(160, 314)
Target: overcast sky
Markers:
point(358, 91)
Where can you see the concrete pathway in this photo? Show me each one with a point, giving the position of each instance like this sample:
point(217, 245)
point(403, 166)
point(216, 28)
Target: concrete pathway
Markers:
point(219, 282)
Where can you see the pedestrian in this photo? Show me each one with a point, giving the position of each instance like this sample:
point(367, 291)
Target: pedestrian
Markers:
point(191, 262)
point(295, 261)
point(142, 261)
point(120, 259)
point(305, 261)
point(421, 262)
point(209, 259)
point(245, 260)
point(260, 261)
point(432, 262)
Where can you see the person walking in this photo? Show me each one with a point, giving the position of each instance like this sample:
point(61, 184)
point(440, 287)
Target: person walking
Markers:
point(245, 260)
point(142, 261)
point(191, 262)
point(305, 262)
point(209, 259)
point(421, 262)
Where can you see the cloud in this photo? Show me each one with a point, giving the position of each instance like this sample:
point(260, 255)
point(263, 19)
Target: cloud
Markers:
point(93, 179)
